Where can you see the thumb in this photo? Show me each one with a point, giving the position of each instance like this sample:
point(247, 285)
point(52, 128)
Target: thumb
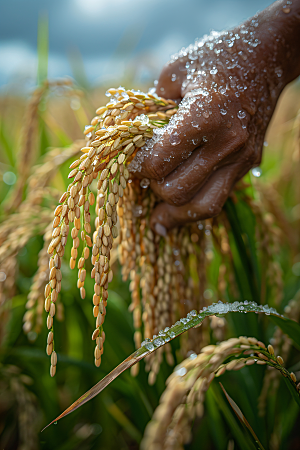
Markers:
point(171, 78)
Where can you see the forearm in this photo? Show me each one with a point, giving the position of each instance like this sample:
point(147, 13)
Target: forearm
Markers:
point(277, 30)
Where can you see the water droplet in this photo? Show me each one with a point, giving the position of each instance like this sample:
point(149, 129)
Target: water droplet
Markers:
point(278, 72)
point(223, 112)
point(205, 139)
point(160, 181)
point(75, 103)
point(241, 114)
point(174, 139)
point(55, 423)
point(145, 182)
point(149, 346)
point(213, 71)
point(181, 371)
point(158, 342)
point(9, 178)
point(2, 276)
point(208, 293)
point(137, 211)
point(206, 114)
point(256, 172)
point(286, 10)
point(173, 77)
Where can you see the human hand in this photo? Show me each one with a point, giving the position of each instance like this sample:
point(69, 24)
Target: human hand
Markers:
point(229, 84)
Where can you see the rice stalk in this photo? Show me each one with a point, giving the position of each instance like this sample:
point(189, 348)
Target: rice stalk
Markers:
point(167, 274)
point(282, 344)
point(114, 136)
point(19, 403)
point(183, 399)
point(28, 138)
point(32, 319)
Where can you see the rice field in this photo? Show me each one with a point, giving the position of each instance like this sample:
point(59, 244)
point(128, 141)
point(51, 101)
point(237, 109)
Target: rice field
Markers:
point(52, 317)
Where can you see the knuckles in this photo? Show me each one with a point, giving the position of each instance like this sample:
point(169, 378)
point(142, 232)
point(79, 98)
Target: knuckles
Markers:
point(154, 167)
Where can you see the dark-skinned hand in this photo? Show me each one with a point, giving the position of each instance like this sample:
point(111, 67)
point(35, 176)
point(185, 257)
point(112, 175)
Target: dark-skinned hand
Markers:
point(227, 85)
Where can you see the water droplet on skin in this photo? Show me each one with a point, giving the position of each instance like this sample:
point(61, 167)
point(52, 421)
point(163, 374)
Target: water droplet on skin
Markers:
point(256, 172)
point(145, 182)
point(223, 111)
point(173, 77)
point(213, 71)
point(174, 139)
point(206, 114)
point(205, 139)
point(241, 114)
point(195, 124)
point(160, 181)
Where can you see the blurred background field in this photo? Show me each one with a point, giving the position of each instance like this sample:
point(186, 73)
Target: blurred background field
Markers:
point(35, 140)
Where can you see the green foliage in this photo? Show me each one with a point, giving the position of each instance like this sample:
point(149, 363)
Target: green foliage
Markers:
point(117, 418)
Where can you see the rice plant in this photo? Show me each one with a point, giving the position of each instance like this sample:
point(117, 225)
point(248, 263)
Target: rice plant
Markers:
point(238, 262)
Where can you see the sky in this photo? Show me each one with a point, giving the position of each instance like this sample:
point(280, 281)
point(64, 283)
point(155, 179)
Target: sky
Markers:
point(107, 38)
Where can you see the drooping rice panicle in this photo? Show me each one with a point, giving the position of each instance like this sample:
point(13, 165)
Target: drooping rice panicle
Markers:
point(183, 399)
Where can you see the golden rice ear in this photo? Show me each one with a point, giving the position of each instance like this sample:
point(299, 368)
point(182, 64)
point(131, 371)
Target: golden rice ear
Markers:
point(112, 139)
point(183, 400)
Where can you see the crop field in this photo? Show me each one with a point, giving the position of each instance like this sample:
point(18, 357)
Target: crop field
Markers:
point(71, 310)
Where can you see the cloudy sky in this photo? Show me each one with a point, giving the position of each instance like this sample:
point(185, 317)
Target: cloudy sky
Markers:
point(107, 37)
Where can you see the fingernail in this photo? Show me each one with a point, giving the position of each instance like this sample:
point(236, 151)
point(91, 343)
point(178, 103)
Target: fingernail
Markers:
point(160, 229)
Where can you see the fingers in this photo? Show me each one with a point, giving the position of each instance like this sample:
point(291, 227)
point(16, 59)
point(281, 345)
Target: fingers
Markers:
point(190, 128)
point(181, 185)
point(208, 202)
point(171, 78)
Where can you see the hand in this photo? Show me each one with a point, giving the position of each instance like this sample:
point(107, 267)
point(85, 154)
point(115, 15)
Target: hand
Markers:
point(230, 84)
